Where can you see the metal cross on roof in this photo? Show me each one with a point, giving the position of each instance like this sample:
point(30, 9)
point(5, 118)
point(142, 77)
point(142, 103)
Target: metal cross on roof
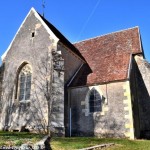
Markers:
point(43, 6)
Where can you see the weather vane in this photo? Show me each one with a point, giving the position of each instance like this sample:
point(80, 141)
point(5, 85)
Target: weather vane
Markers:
point(43, 6)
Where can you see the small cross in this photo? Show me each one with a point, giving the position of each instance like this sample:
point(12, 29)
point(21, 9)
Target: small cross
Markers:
point(43, 6)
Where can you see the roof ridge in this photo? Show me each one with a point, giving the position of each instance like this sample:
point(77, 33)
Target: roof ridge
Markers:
point(123, 30)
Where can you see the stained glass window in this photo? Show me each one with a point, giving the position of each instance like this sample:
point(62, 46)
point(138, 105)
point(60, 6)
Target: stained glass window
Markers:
point(25, 83)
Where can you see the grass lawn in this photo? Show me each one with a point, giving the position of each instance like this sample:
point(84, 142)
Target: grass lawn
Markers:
point(18, 138)
point(78, 143)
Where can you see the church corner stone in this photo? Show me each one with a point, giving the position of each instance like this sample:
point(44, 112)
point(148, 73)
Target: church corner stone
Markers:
point(128, 111)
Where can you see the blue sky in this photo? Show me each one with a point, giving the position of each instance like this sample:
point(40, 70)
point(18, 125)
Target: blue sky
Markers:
point(79, 19)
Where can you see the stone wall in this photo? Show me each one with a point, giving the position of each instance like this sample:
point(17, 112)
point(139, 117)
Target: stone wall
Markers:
point(1, 81)
point(142, 78)
point(71, 64)
point(32, 45)
point(115, 119)
point(53, 66)
point(135, 98)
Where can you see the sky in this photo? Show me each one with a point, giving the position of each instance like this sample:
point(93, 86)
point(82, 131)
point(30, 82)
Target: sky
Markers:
point(78, 19)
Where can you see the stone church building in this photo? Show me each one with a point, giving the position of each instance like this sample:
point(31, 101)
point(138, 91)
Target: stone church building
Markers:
point(96, 87)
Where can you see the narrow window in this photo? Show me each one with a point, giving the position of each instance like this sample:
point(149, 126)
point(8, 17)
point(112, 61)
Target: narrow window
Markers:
point(95, 101)
point(24, 83)
point(33, 34)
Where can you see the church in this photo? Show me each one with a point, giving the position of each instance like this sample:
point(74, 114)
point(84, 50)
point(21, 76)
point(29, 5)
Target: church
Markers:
point(96, 87)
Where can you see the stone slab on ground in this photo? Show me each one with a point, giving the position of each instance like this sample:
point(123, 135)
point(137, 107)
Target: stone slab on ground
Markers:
point(44, 144)
point(98, 146)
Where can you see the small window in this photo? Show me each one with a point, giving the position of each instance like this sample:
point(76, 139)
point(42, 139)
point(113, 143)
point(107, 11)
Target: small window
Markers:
point(24, 83)
point(33, 34)
point(95, 101)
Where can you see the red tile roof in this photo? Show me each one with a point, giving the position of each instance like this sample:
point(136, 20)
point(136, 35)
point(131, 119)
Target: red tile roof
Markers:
point(109, 56)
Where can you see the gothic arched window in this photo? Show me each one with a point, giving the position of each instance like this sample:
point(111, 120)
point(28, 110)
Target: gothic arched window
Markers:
point(24, 83)
point(95, 102)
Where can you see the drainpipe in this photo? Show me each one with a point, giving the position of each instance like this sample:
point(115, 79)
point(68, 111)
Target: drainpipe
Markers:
point(69, 114)
point(70, 122)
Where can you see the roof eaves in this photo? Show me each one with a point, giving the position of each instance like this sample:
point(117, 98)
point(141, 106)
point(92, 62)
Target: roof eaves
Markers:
point(99, 83)
point(63, 39)
point(141, 45)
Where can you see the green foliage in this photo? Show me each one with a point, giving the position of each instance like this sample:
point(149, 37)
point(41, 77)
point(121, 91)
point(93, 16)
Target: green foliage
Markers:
point(18, 138)
point(2, 143)
point(18, 142)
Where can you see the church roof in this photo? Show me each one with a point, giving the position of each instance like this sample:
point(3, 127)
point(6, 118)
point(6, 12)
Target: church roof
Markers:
point(109, 56)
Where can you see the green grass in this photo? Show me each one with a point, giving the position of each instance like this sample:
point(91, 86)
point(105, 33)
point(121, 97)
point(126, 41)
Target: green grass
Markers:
point(18, 138)
point(78, 143)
